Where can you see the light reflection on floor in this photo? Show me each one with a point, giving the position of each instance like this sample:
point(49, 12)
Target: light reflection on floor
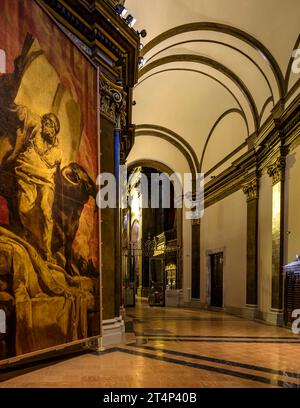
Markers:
point(181, 348)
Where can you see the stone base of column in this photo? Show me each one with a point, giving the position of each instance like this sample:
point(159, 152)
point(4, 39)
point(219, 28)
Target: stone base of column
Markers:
point(196, 303)
point(113, 331)
point(250, 312)
point(274, 317)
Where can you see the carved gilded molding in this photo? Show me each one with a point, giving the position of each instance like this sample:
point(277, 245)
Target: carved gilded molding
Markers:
point(277, 170)
point(77, 41)
point(251, 189)
point(112, 102)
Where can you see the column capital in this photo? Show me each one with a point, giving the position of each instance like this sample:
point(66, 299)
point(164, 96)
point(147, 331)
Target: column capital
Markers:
point(112, 102)
point(276, 170)
point(251, 189)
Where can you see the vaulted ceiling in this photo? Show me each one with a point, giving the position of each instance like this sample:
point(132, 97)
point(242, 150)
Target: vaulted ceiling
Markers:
point(214, 71)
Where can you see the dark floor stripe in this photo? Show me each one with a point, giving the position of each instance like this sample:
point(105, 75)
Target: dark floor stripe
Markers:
point(144, 334)
point(218, 370)
point(105, 351)
point(199, 319)
point(219, 361)
point(162, 338)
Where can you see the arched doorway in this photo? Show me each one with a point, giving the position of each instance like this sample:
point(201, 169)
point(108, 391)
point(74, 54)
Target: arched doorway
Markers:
point(155, 239)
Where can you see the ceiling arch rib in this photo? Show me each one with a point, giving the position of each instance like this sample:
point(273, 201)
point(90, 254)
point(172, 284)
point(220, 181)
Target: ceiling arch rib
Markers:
point(188, 103)
point(264, 112)
point(205, 74)
point(213, 64)
point(173, 142)
point(154, 164)
point(234, 61)
point(205, 42)
point(226, 29)
point(150, 147)
point(168, 132)
point(223, 44)
point(228, 112)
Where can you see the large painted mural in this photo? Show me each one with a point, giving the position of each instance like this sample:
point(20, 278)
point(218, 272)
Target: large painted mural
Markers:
point(49, 226)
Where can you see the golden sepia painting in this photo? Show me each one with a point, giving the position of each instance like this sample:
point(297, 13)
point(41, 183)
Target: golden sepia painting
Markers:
point(49, 221)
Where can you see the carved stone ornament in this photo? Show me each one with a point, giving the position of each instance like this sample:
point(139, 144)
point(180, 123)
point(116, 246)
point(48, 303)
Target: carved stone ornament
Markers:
point(251, 190)
point(112, 102)
point(277, 170)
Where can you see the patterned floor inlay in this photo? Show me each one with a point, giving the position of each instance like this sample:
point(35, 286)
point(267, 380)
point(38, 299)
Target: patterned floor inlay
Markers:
point(177, 348)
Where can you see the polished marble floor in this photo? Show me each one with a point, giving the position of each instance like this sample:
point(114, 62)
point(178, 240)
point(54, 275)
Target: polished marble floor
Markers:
point(178, 348)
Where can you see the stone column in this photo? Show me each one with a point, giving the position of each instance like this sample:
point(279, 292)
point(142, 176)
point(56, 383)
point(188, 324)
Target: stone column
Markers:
point(196, 259)
point(113, 119)
point(277, 172)
point(251, 191)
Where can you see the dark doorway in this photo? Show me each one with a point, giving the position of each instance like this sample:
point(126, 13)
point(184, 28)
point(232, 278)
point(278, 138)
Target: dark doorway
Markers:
point(216, 273)
point(157, 282)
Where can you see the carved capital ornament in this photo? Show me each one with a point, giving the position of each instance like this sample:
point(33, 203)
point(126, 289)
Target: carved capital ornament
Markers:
point(251, 190)
point(277, 170)
point(112, 102)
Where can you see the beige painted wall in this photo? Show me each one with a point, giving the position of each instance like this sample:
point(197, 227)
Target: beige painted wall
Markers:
point(292, 207)
point(230, 133)
point(224, 227)
point(265, 243)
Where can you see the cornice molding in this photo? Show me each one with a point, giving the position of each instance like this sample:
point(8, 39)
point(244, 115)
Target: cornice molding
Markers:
point(275, 141)
point(114, 45)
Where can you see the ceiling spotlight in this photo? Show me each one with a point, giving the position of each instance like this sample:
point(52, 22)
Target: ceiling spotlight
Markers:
point(121, 10)
point(130, 20)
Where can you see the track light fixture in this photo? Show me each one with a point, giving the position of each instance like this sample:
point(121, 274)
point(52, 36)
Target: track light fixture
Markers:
point(121, 10)
point(130, 20)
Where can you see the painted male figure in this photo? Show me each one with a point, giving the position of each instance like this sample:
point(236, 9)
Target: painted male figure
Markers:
point(35, 168)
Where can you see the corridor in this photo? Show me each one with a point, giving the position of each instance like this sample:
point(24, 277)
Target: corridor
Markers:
point(178, 348)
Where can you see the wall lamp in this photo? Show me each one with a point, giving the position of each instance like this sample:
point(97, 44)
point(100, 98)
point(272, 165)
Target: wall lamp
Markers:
point(142, 33)
point(141, 61)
